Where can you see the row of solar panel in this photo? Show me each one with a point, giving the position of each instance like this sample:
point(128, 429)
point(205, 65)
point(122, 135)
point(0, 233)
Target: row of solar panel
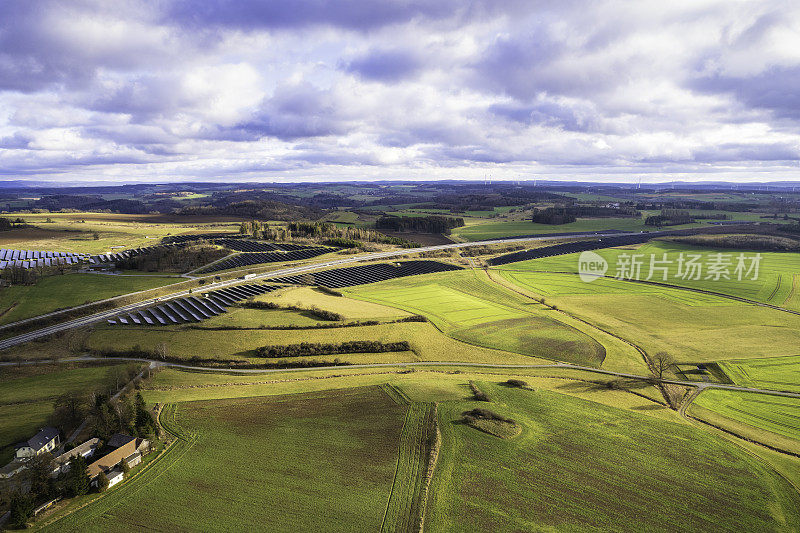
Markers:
point(31, 258)
point(241, 245)
point(13, 255)
point(361, 275)
point(192, 308)
point(570, 248)
point(248, 259)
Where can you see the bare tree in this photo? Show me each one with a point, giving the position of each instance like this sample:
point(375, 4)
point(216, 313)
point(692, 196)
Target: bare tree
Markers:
point(660, 363)
point(162, 351)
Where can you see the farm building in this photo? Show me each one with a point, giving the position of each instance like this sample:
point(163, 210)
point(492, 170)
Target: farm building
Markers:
point(119, 439)
point(110, 461)
point(87, 449)
point(46, 440)
point(12, 469)
point(133, 459)
point(115, 476)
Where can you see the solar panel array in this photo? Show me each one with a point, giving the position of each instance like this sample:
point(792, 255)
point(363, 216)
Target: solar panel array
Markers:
point(241, 245)
point(256, 253)
point(172, 239)
point(361, 275)
point(247, 259)
point(133, 252)
point(35, 258)
point(193, 308)
point(569, 248)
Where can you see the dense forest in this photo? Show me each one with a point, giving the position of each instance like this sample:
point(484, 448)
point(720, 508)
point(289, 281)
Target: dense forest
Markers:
point(173, 259)
point(428, 224)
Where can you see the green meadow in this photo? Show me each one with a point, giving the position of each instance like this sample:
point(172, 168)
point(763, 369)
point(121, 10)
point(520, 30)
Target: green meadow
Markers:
point(324, 460)
point(481, 231)
point(643, 473)
point(771, 420)
point(347, 451)
point(692, 327)
point(779, 373)
point(776, 282)
point(427, 342)
point(468, 307)
point(57, 292)
point(74, 232)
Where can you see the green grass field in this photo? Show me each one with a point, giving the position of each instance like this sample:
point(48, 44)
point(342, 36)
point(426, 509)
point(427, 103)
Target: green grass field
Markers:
point(480, 230)
point(426, 341)
point(403, 511)
point(771, 420)
point(27, 394)
point(779, 373)
point(776, 284)
point(56, 292)
point(468, 307)
point(692, 327)
point(74, 232)
point(276, 464)
point(613, 471)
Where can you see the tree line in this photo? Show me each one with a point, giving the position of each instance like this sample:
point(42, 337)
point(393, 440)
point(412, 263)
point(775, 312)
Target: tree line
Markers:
point(305, 349)
point(427, 224)
point(173, 259)
point(669, 217)
point(323, 232)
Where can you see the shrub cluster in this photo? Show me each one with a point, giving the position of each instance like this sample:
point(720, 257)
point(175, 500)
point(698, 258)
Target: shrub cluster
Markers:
point(321, 314)
point(479, 413)
point(412, 318)
point(478, 394)
point(517, 383)
point(305, 349)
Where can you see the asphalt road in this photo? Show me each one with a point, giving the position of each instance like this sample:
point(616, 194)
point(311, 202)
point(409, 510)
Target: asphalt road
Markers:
point(110, 313)
point(700, 386)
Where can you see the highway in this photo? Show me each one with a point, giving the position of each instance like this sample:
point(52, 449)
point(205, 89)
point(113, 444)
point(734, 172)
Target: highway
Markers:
point(110, 313)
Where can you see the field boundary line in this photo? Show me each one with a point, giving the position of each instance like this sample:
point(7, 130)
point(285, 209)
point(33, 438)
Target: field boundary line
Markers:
point(795, 280)
point(433, 458)
point(397, 464)
point(777, 287)
point(737, 438)
point(667, 286)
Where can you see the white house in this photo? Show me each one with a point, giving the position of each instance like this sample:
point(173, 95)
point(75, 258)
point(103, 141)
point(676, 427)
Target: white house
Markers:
point(87, 449)
point(45, 441)
point(114, 477)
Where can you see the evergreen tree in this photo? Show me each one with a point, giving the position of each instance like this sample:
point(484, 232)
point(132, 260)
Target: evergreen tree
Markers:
point(77, 481)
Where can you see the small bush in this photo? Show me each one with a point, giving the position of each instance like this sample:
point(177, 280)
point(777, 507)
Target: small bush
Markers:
point(478, 394)
point(518, 383)
point(413, 318)
point(479, 413)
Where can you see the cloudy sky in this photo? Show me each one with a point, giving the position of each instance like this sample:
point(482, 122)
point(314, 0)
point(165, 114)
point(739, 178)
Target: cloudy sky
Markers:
point(399, 89)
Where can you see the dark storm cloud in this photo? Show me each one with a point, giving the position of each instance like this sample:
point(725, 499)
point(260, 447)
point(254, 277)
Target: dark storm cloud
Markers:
point(16, 141)
point(748, 152)
point(777, 89)
point(385, 65)
point(293, 112)
point(361, 15)
point(526, 65)
point(222, 86)
point(29, 55)
point(549, 113)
